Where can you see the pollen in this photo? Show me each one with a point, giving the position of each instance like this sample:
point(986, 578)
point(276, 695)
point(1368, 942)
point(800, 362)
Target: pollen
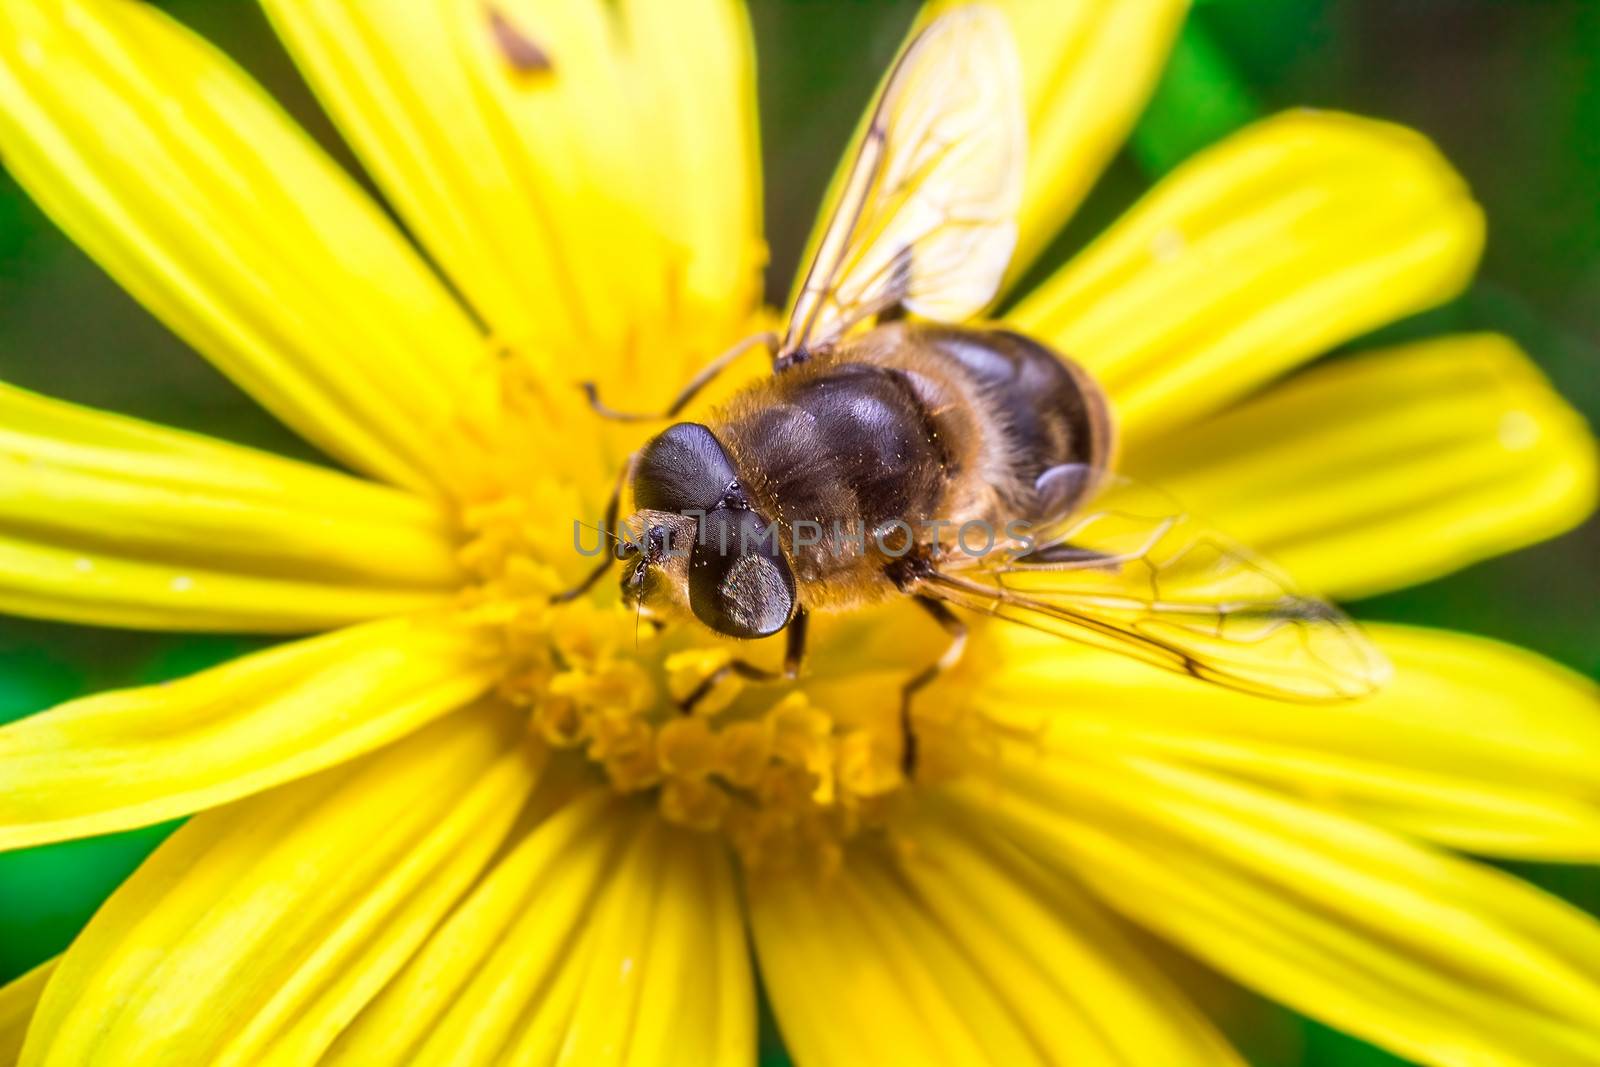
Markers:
point(786, 772)
point(786, 778)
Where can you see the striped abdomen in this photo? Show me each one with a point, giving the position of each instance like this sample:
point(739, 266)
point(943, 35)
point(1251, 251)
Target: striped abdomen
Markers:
point(907, 427)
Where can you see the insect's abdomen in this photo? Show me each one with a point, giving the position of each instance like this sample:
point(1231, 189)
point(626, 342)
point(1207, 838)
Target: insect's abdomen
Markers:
point(1041, 410)
point(909, 427)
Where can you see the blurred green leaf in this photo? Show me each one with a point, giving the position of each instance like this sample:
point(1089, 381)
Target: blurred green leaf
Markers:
point(1325, 1047)
point(179, 658)
point(32, 679)
point(47, 894)
point(1200, 99)
point(1576, 884)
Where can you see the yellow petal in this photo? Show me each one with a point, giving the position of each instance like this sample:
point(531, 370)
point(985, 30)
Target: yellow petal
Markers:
point(175, 171)
point(694, 66)
point(18, 999)
point(1435, 958)
point(123, 759)
point(257, 932)
point(1473, 744)
point(1088, 67)
point(113, 521)
point(572, 205)
point(1390, 468)
point(964, 952)
point(603, 937)
point(1288, 238)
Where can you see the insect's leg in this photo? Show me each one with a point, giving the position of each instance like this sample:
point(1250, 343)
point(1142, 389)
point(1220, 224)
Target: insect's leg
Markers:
point(946, 662)
point(688, 392)
point(794, 652)
point(608, 527)
point(748, 671)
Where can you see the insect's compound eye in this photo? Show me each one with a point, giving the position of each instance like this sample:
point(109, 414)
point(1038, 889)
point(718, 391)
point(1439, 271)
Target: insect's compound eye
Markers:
point(683, 470)
point(739, 582)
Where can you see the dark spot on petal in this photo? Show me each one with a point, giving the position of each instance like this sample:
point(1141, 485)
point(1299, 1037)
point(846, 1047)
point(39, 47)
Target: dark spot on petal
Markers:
point(519, 50)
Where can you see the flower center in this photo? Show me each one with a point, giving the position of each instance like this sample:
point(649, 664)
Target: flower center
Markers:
point(787, 771)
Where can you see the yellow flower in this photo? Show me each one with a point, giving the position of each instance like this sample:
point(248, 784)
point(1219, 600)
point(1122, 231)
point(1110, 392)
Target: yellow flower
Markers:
point(460, 825)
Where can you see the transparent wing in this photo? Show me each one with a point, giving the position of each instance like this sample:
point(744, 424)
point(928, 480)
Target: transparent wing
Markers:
point(1131, 572)
point(925, 218)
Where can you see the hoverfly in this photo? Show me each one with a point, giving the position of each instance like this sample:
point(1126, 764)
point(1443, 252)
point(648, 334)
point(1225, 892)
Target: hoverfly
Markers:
point(913, 431)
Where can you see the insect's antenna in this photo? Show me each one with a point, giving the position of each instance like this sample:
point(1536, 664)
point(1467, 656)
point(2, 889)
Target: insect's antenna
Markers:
point(601, 530)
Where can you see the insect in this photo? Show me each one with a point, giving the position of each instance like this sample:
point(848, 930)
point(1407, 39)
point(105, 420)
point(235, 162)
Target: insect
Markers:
point(895, 452)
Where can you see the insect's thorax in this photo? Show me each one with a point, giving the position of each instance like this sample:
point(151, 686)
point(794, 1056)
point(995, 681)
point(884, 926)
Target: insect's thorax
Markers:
point(910, 429)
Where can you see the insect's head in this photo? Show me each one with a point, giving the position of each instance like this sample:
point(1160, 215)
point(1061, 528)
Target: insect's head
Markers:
point(696, 543)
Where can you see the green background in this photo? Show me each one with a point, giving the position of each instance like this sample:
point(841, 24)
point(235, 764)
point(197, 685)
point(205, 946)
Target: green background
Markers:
point(1509, 89)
